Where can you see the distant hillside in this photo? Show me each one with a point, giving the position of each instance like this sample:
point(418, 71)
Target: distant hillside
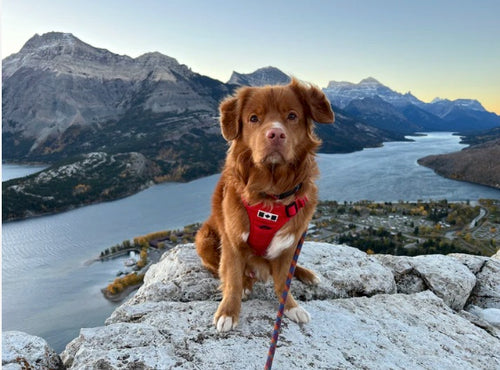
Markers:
point(348, 134)
point(479, 137)
point(478, 164)
point(88, 179)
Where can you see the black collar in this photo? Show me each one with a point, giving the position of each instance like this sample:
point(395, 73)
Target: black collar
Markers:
point(286, 194)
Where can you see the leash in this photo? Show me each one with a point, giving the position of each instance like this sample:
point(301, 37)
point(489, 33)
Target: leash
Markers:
point(284, 295)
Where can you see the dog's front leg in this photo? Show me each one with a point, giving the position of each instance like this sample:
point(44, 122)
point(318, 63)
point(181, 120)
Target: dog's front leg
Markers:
point(231, 270)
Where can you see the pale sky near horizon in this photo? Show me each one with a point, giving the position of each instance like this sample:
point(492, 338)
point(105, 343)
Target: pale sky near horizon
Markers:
point(441, 48)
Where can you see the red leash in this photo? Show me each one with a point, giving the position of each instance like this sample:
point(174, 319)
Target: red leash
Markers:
point(284, 295)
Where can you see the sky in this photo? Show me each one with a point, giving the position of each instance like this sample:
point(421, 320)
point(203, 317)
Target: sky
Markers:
point(432, 48)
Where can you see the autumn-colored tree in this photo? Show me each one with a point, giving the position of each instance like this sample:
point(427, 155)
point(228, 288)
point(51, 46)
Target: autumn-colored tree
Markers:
point(119, 284)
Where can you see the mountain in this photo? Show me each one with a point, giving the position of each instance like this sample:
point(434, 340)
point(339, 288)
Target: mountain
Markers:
point(261, 77)
point(348, 134)
point(63, 97)
point(463, 114)
point(368, 312)
point(439, 115)
point(379, 113)
point(342, 93)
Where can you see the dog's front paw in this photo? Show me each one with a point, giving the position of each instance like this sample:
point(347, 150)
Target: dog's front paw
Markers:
point(225, 323)
point(298, 314)
point(226, 317)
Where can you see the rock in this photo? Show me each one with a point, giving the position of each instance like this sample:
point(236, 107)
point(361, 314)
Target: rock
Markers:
point(178, 276)
point(121, 345)
point(384, 331)
point(24, 351)
point(490, 315)
point(445, 276)
point(407, 278)
point(168, 323)
point(486, 294)
point(473, 263)
point(344, 272)
point(448, 279)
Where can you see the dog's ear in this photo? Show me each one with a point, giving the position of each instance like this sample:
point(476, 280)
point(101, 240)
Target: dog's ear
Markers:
point(230, 118)
point(315, 101)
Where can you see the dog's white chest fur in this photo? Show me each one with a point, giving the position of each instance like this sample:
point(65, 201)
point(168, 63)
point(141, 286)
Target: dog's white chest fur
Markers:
point(280, 242)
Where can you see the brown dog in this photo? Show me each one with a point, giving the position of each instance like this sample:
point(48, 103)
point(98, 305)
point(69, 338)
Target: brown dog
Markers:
point(266, 194)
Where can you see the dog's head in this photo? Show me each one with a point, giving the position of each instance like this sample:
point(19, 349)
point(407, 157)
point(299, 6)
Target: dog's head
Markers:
point(275, 122)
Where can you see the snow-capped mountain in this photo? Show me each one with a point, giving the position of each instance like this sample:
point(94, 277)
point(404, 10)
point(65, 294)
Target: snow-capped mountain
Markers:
point(342, 93)
point(440, 114)
point(442, 107)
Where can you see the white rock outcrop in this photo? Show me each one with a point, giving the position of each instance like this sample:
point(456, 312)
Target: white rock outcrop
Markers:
point(368, 312)
point(447, 277)
point(24, 351)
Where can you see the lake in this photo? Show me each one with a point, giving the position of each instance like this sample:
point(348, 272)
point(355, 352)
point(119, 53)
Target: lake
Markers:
point(50, 290)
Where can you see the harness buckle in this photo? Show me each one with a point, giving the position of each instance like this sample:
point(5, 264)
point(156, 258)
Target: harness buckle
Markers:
point(291, 209)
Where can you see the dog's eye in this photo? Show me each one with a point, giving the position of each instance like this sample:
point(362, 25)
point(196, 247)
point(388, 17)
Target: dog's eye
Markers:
point(254, 118)
point(292, 116)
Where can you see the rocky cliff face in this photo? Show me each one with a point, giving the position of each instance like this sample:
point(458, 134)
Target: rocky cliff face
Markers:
point(375, 312)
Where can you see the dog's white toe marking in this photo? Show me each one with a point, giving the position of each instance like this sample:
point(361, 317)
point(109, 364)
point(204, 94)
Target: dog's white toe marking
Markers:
point(225, 323)
point(245, 293)
point(316, 280)
point(298, 314)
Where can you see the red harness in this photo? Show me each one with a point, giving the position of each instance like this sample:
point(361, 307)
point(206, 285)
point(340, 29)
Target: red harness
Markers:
point(265, 222)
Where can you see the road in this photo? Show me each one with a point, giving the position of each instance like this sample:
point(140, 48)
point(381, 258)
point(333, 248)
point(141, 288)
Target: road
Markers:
point(482, 213)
